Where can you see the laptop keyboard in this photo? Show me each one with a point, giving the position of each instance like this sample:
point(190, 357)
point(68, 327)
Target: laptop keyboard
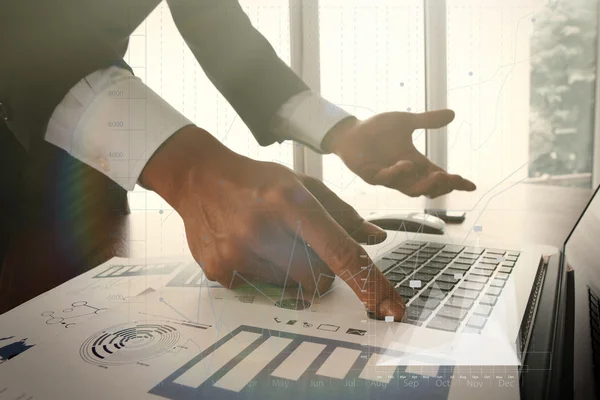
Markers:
point(448, 287)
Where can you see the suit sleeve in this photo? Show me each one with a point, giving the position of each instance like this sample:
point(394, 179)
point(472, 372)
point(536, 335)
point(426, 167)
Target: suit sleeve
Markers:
point(238, 60)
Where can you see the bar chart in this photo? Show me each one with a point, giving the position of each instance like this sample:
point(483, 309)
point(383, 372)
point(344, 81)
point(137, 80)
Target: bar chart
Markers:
point(258, 363)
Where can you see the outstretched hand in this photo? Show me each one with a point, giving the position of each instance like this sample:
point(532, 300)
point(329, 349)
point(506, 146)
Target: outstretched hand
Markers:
point(381, 151)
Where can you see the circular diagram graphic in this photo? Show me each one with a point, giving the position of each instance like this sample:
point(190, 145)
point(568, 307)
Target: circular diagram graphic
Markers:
point(293, 304)
point(129, 343)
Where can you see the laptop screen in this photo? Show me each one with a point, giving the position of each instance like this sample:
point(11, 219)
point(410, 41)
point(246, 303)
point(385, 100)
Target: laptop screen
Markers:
point(582, 247)
point(582, 250)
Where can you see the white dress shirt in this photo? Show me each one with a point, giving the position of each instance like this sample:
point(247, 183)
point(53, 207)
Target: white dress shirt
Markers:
point(113, 122)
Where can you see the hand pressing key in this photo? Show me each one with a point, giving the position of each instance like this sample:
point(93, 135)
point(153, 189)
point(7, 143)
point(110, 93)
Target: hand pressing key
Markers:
point(243, 219)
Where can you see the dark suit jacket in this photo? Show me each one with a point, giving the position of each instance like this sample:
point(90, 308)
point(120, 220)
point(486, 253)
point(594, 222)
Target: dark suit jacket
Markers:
point(46, 46)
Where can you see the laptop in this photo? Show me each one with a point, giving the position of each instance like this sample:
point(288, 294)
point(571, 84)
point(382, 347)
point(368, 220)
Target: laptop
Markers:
point(482, 293)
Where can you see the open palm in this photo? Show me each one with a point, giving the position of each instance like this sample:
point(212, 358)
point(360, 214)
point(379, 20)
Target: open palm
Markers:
point(381, 151)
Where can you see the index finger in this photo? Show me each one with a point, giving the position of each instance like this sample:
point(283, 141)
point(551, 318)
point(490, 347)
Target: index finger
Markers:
point(346, 258)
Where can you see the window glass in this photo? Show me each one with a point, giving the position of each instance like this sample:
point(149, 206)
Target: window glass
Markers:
point(371, 54)
point(160, 57)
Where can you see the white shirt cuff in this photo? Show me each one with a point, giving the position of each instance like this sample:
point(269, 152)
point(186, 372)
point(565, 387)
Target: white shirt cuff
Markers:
point(306, 118)
point(113, 122)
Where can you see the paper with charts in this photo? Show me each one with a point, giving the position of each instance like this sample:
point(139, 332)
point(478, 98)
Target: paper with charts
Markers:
point(141, 329)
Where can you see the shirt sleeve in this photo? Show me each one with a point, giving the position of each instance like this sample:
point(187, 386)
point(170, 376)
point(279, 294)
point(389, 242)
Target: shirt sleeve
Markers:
point(113, 122)
point(306, 118)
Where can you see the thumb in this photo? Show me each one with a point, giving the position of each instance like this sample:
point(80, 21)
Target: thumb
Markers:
point(432, 119)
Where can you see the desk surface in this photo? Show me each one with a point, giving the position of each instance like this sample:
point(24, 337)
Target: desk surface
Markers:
point(44, 257)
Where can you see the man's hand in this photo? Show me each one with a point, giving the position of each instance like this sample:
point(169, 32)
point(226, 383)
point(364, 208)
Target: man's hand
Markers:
point(247, 219)
point(380, 150)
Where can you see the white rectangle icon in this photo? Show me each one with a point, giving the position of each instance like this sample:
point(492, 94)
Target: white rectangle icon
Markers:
point(378, 373)
point(249, 367)
point(196, 375)
point(296, 363)
point(338, 363)
point(415, 283)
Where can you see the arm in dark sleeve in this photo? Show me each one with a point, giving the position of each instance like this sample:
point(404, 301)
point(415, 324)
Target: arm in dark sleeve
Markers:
point(238, 60)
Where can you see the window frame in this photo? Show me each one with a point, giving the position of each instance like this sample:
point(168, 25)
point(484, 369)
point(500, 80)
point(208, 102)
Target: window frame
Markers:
point(305, 61)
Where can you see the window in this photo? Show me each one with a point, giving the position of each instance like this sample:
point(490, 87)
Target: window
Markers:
point(521, 76)
point(372, 59)
point(160, 57)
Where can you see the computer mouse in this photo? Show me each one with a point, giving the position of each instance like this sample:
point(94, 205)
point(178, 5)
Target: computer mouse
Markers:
point(408, 222)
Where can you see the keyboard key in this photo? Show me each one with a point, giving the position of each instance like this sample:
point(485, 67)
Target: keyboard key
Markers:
point(452, 312)
point(470, 255)
point(427, 251)
point(459, 302)
point(454, 272)
point(437, 265)
point(460, 265)
point(443, 324)
point(482, 272)
point(429, 270)
point(447, 254)
point(472, 286)
point(475, 250)
point(442, 259)
point(445, 286)
point(406, 292)
point(498, 283)
point(415, 243)
point(488, 300)
point(493, 291)
point(513, 253)
point(404, 269)
point(417, 314)
point(405, 252)
point(502, 275)
point(395, 277)
point(467, 294)
point(410, 246)
point(395, 256)
point(505, 270)
point(510, 258)
point(448, 278)
point(433, 293)
point(492, 259)
point(508, 264)
point(485, 265)
point(430, 304)
point(451, 248)
point(423, 277)
point(496, 252)
point(385, 264)
point(437, 246)
point(477, 321)
point(483, 310)
point(476, 278)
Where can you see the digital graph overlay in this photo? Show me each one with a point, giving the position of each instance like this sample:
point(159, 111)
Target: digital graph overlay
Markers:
point(122, 270)
point(129, 343)
point(267, 364)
